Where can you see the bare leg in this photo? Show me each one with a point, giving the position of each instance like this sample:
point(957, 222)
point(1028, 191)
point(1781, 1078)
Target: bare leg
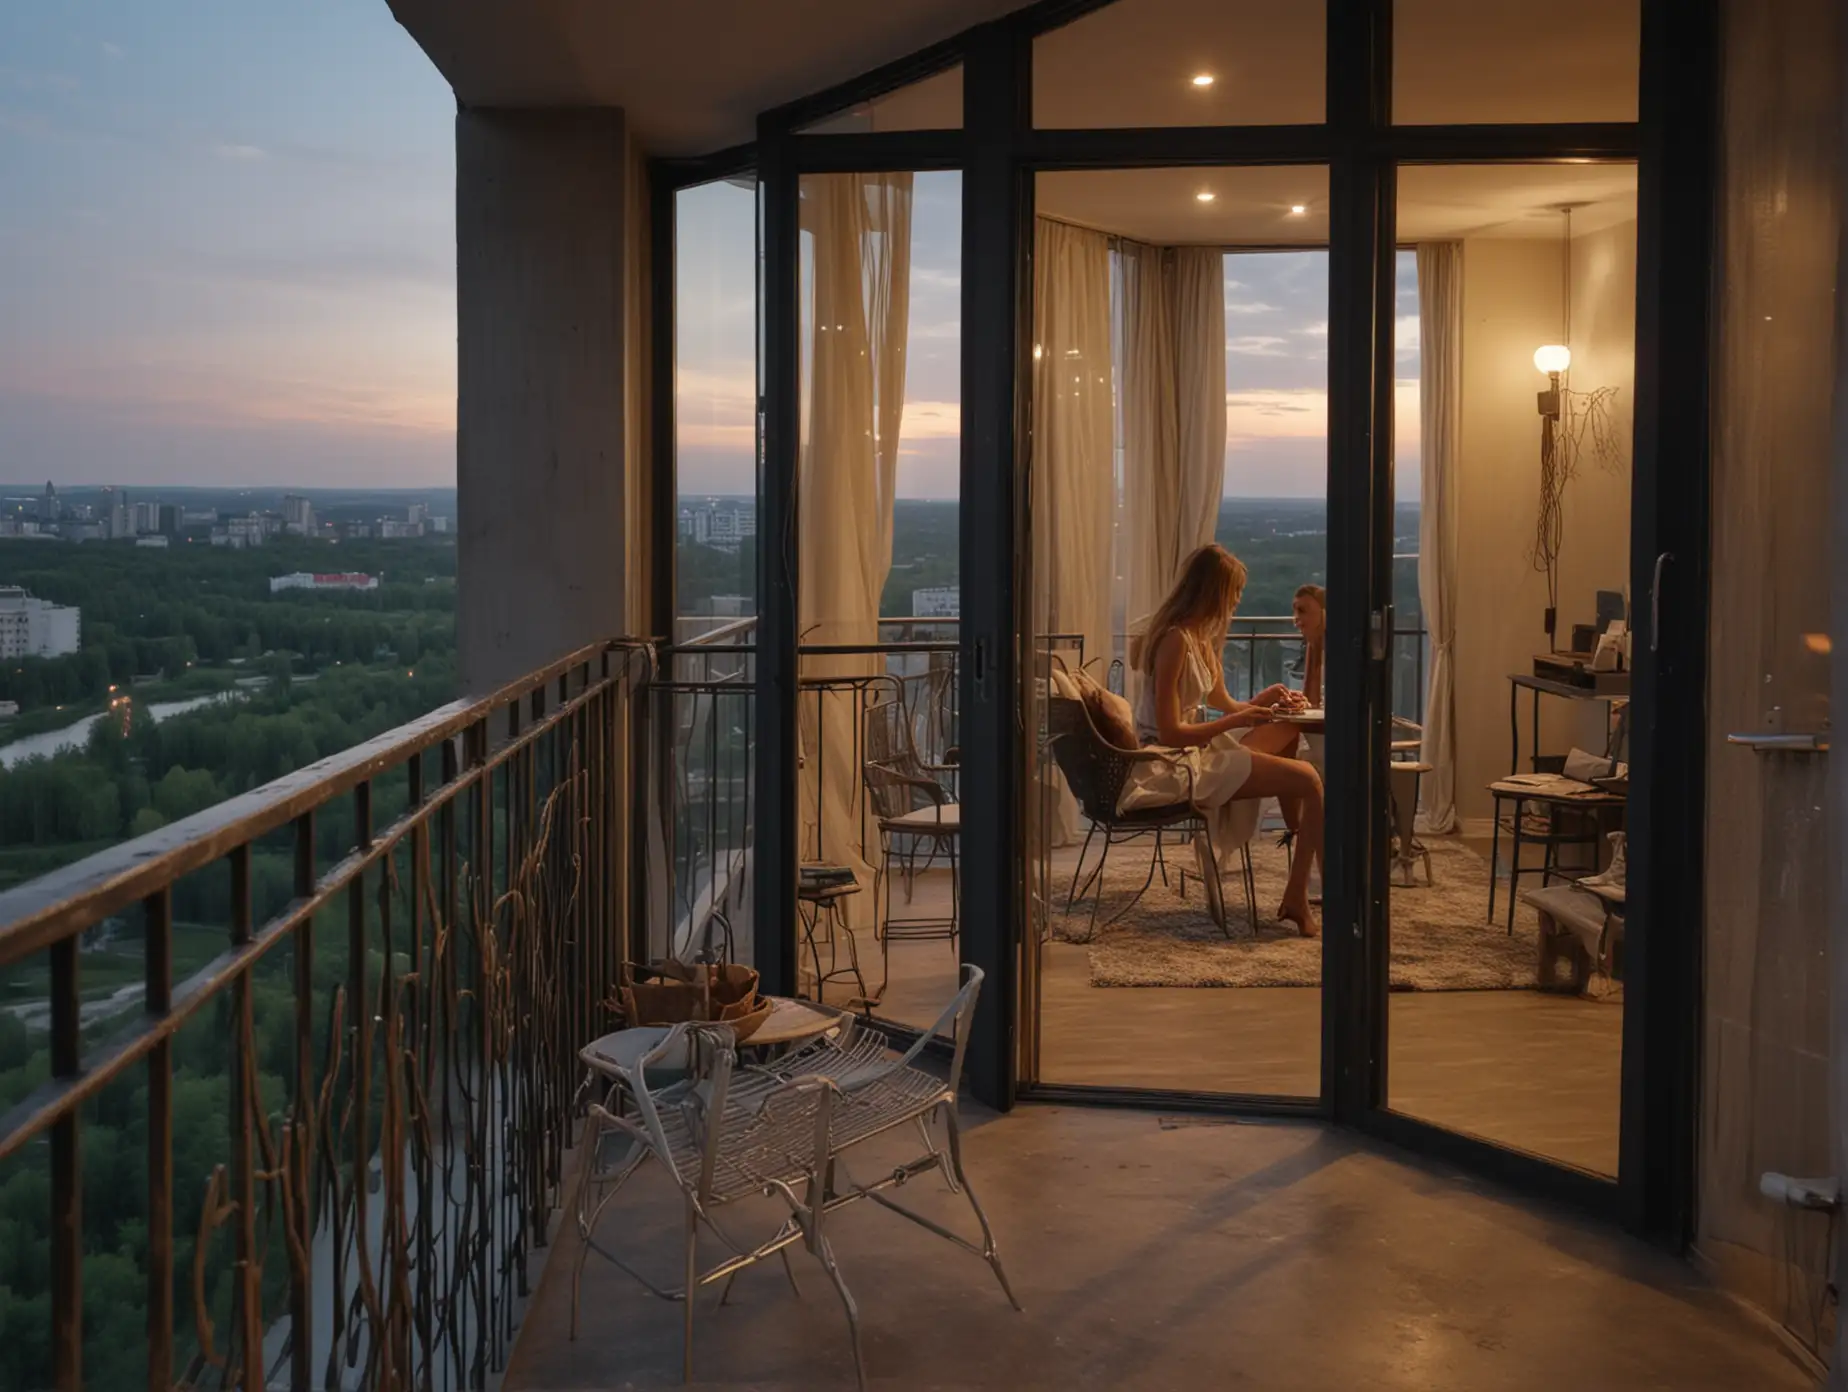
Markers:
point(1281, 778)
point(1282, 740)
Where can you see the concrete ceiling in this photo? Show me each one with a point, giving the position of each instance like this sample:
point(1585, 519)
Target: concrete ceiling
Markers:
point(691, 74)
point(1252, 206)
point(694, 74)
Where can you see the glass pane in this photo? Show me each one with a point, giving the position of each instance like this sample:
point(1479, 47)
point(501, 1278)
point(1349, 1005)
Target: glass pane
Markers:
point(715, 403)
point(1500, 61)
point(933, 103)
point(708, 706)
point(1183, 63)
point(880, 590)
point(1179, 398)
point(1506, 1012)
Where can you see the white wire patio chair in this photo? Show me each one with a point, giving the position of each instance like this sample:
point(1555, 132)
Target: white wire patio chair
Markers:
point(727, 1132)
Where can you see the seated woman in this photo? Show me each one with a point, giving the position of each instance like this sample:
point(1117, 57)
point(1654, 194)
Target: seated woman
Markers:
point(1239, 757)
point(1309, 612)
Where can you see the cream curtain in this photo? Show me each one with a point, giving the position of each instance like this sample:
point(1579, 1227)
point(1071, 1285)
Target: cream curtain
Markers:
point(1073, 448)
point(1440, 386)
point(1072, 432)
point(1173, 352)
point(855, 317)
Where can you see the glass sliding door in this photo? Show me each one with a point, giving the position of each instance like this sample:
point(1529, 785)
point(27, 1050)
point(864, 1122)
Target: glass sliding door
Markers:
point(879, 583)
point(704, 705)
point(1518, 301)
point(1179, 402)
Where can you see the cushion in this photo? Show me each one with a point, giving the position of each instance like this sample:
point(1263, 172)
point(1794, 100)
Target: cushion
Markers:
point(1585, 767)
point(1109, 712)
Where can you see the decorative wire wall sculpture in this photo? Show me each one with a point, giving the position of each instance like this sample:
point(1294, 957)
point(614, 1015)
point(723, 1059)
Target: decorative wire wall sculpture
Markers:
point(1586, 429)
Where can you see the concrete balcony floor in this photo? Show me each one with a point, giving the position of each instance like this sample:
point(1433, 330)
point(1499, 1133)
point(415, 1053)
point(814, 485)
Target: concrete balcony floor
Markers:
point(1164, 1252)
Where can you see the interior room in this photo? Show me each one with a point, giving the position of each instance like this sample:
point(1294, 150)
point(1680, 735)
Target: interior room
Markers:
point(1189, 307)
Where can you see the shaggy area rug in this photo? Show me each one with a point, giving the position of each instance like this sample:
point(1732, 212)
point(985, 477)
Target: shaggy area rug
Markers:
point(1441, 939)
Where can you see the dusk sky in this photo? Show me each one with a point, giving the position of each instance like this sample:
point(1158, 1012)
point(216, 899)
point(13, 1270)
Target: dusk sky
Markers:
point(227, 247)
point(227, 256)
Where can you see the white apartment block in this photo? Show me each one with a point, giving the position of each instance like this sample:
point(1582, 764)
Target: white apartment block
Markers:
point(36, 627)
point(942, 602)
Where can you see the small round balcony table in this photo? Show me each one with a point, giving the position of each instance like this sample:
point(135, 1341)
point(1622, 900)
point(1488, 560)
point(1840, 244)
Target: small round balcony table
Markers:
point(617, 1055)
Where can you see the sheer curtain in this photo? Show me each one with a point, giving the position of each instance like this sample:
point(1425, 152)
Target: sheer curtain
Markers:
point(856, 319)
point(1173, 352)
point(1440, 382)
point(1072, 431)
point(1073, 447)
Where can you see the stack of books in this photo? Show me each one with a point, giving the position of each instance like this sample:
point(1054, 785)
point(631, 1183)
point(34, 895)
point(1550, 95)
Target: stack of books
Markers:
point(817, 876)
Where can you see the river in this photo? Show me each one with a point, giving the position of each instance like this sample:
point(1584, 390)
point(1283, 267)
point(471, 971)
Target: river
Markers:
point(73, 737)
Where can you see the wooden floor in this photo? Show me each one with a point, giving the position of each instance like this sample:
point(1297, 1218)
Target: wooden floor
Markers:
point(1535, 1071)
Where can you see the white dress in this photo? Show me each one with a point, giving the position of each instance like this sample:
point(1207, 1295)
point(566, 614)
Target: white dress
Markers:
point(1219, 769)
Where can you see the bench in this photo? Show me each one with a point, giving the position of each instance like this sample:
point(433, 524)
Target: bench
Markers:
point(1577, 928)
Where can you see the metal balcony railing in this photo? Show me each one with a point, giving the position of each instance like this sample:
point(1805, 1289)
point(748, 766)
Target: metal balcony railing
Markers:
point(319, 1132)
point(705, 699)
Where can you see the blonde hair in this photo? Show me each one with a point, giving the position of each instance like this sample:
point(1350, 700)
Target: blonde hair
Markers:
point(1203, 599)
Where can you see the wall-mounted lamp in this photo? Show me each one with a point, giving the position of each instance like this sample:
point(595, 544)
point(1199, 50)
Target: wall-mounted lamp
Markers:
point(1552, 359)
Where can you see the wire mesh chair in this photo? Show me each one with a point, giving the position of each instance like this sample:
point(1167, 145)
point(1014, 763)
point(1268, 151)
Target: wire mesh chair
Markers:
point(911, 807)
point(1096, 771)
point(727, 1132)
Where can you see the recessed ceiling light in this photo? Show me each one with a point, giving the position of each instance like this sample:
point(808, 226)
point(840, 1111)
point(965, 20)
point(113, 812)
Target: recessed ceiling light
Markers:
point(1298, 209)
point(1205, 195)
point(1204, 79)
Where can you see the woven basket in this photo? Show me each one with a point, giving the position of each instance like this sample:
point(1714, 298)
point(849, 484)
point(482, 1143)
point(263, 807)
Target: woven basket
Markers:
point(724, 992)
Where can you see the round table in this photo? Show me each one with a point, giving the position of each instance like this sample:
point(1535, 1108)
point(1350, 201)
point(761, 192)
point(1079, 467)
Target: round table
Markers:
point(790, 1022)
point(1309, 721)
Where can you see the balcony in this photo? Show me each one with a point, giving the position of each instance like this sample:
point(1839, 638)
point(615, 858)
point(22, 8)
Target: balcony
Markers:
point(321, 1130)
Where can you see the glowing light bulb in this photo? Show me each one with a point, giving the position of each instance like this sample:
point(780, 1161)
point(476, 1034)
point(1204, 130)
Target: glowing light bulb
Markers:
point(1553, 357)
point(1205, 195)
point(1203, 79)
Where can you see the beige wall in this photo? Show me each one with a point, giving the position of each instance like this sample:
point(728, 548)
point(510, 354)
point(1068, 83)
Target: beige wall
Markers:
point(1512, 303)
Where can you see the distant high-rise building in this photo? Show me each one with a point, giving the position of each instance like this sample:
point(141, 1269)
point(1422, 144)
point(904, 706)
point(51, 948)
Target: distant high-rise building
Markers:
point(112, 512)
point(239, 532)
point(49, 509)
point(725, 528)
point(297, 515)
point(417, 514)
point(170, 516)
point(146, 518)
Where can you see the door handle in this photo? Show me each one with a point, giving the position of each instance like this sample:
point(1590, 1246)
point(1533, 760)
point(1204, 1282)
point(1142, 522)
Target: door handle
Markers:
point(1380, 636)
point(1782, 744)
point(1655, 602)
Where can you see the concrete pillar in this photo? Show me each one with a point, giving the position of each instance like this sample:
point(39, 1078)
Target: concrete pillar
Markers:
point(540, 425)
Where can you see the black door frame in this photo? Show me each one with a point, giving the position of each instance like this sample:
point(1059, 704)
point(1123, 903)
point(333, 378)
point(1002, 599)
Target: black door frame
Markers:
point(998, 151)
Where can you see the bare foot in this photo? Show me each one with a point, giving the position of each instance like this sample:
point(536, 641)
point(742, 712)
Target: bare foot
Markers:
point(1300, 915)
